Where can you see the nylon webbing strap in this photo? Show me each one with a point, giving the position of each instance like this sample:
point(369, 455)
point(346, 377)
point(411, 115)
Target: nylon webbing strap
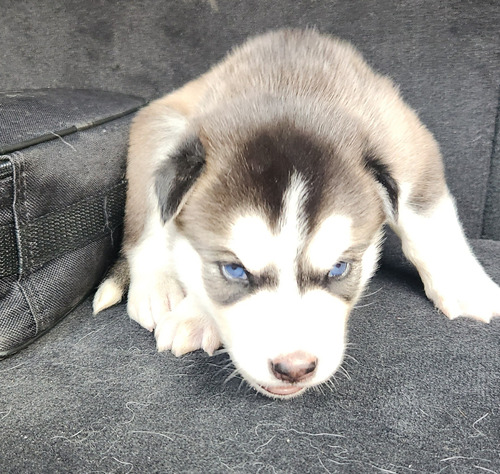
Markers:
point(8, 251)
point(55, 234)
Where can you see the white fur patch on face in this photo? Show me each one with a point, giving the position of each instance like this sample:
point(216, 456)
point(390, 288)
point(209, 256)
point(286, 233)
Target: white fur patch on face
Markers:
point(370, 259)
point(252, 241)
point(268, 325)
point(188, 266)
point(257, 246)
point(293, 220)
point(332, 238)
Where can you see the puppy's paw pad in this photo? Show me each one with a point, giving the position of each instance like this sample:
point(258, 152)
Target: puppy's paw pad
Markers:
point(108, 294)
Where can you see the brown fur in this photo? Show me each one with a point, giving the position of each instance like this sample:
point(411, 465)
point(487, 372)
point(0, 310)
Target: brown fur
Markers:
point(294, 132)
point(146, 132)
point(324, 78)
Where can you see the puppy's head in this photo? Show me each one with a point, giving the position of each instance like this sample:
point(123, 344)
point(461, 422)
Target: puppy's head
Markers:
point(278, 233)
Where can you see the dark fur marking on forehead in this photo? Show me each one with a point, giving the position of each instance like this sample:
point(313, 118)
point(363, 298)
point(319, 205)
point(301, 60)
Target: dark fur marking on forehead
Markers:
point(381, 173)
point(249, 173)
point(273, 156)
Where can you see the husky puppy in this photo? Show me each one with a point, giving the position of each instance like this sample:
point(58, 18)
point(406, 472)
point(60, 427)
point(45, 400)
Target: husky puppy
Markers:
point(256, 199)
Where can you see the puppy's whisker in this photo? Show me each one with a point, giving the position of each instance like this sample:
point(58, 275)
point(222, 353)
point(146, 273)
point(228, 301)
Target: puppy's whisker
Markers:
point(241, 383)
point(347, 366)
point(228, 365)
point(222, 370)
point(364, 305)
point(220, 351)
point(330, 383)
point(372, 293)
point(348, 356)
point(344, 371)
point(330, 386)
point(232, 375)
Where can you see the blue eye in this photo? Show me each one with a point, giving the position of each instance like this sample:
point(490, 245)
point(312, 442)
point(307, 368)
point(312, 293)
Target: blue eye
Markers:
point(233, 271)
point(338, 269)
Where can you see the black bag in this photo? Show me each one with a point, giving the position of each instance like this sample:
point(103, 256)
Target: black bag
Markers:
point(62, 193)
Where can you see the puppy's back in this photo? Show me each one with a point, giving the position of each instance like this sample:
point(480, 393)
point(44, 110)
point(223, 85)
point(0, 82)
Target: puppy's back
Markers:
point(295, 63)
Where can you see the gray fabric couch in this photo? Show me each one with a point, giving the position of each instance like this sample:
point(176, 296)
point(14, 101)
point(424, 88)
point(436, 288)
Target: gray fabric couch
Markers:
point(418, 393)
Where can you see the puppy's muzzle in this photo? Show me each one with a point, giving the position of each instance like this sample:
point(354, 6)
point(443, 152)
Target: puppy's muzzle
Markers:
point(296, 367)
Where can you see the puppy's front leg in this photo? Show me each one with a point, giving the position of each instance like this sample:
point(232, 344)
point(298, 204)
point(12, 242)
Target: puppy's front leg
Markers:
point(434, 241)
point(186, 329)
point(154, 290)
point(156, 133)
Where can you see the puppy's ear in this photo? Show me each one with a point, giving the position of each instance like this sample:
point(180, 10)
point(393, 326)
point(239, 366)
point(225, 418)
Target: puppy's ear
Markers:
point(388, 185)
point(177, 174)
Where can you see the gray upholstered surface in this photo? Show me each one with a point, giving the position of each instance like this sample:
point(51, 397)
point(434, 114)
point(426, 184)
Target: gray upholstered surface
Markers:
point(444, 55)
point(491, 222)
point(421, 396)
point(94, 396)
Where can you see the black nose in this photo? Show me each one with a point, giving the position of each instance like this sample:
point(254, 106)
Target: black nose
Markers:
point(296, 367)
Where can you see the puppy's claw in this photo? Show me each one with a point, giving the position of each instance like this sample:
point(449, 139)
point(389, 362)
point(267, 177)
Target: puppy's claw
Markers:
point(164, 334)
point(211, 341)
point(142, 310)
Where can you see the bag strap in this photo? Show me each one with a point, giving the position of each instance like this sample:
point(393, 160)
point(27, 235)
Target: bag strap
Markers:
point(54, 234)
point(8, 252)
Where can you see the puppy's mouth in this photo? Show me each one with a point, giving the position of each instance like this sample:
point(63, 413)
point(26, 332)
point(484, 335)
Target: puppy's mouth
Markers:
point(283, 390)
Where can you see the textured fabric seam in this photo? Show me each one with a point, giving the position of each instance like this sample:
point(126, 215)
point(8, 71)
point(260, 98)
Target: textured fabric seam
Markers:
point(17, 185)
point(490, 183)
point(57, 134)
point(113, 220)
point(30, 292)
point(46, 137)
point(7, 159)
point(17, 174)
point(110, 118)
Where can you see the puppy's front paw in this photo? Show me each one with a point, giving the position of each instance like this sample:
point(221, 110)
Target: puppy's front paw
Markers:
point(478, 299)
point(185, 330)
point(150, 301)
